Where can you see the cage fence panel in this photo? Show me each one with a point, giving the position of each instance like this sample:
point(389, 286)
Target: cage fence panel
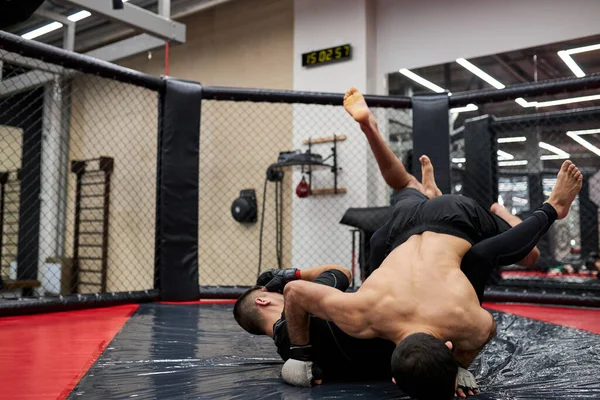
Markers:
point(302, 166)
point(79, 158)
point(519, 146)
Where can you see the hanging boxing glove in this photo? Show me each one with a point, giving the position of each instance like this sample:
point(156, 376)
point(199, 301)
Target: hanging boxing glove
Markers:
point(302, 190)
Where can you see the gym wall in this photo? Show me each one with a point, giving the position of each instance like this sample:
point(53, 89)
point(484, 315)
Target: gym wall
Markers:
point(112, 119)
point(242, 44)
point(10, 138)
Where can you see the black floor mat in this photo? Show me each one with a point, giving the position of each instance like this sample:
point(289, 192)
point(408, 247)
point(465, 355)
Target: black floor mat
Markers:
point(199, 352)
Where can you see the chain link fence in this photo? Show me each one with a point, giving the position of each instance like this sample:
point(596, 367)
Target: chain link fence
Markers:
point(78, 162)
point(531, 139)
point(316, 151)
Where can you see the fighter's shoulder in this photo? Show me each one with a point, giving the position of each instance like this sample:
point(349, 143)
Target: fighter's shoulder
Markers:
point(485, 328)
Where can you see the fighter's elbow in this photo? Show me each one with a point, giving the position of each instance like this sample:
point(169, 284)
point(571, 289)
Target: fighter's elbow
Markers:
point(291, 290)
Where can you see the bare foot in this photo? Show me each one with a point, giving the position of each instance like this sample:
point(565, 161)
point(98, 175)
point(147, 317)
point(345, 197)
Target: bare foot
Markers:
point(506, 215)
point(355, 104)
point(428, 179)
point(568, 184)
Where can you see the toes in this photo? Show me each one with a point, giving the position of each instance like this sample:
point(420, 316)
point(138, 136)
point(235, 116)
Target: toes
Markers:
point(566, 165)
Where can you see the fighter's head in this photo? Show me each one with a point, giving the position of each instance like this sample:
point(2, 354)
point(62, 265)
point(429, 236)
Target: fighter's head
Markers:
point(424, 367)
point(254, 310)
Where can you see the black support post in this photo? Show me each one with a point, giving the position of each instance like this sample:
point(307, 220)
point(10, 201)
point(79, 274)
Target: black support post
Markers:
point(588, 217)
point(177, 198)
point(481, 165)
point(431, 136)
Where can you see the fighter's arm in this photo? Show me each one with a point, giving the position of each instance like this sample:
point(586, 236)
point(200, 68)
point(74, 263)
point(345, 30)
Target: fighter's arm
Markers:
point(310, 274)
point(466, 351)
point(275, 280)
point(304, 298)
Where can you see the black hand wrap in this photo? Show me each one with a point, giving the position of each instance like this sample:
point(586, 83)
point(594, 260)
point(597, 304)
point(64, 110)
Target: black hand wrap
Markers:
point(274, 280)
point(302, 353)
point(299, 369)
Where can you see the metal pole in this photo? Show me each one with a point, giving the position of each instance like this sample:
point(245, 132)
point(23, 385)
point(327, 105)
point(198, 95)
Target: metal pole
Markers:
point(164, 8)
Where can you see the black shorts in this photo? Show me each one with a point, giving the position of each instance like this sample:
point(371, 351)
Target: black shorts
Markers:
point(414, 213)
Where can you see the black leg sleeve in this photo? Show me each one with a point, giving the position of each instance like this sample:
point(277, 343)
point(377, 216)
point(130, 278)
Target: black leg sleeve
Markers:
point(506, 248)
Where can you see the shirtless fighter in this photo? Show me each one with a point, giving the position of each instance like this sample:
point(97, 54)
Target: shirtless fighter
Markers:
point(419, 298)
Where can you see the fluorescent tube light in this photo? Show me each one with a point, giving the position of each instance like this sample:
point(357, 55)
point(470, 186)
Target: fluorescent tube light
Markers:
point(459, 160)
point(512, 163)
point(566, 57)
point(522, 102)
point(502, 155)
point(554, 149)
point(514, 139)
point(468, 107)
point(584, 49)
point(553, 157)
point(422, 81)
point(560, 102)
point(483, 75)
point(573, 135)
point(42, 30)
point(586, 132)
point(78, 16)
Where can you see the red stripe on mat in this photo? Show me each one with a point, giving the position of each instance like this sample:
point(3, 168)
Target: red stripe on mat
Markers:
point(44, 356)
point(204, 301)
point(580, 318)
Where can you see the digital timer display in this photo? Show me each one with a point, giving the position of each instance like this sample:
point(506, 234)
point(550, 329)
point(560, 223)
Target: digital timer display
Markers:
point(326, 56)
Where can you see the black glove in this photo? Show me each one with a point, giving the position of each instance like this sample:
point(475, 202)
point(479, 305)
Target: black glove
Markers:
point(299, 370)
point(274, 280)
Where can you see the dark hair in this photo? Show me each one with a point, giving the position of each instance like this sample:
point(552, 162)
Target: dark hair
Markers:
point(246, 312)
point(424, 367)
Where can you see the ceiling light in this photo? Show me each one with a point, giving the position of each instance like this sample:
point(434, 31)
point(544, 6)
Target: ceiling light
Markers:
point(586, 132)
point(554, 149)
point(42, 30)
point(78, 16)
point(468, 107)
point(502, 155)
point(560, 102)
point(565, 56)
point(459, 160)
point(422, 81)
point(573, 135)
point(512, 163)
point(584, 49)
point(522, 102)
point(553, 157)
point(514, 139)
point(483, 75)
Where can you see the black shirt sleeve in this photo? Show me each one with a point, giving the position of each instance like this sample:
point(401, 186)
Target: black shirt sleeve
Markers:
point(334, 278)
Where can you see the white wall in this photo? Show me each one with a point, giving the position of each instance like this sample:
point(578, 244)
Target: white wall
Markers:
point(317, 235)
point(420, 33)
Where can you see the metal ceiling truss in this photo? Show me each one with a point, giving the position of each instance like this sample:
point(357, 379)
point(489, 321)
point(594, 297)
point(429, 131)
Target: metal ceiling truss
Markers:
point(139, 18)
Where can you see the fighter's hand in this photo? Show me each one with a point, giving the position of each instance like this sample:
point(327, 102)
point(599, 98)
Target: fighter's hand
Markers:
point(299, 370)
point(467, 386)
point(274, 280)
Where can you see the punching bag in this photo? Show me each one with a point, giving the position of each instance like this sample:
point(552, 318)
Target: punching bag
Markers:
point(302, 190)
point(14, 11)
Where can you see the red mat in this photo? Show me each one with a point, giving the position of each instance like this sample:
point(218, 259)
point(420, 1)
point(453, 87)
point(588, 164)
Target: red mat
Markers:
point(580, 318)
point(44, 356)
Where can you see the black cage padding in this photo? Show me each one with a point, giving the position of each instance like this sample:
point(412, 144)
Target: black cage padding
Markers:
point(178, 177)
point(74, 302)
point(481, 168)
point(431, 136)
